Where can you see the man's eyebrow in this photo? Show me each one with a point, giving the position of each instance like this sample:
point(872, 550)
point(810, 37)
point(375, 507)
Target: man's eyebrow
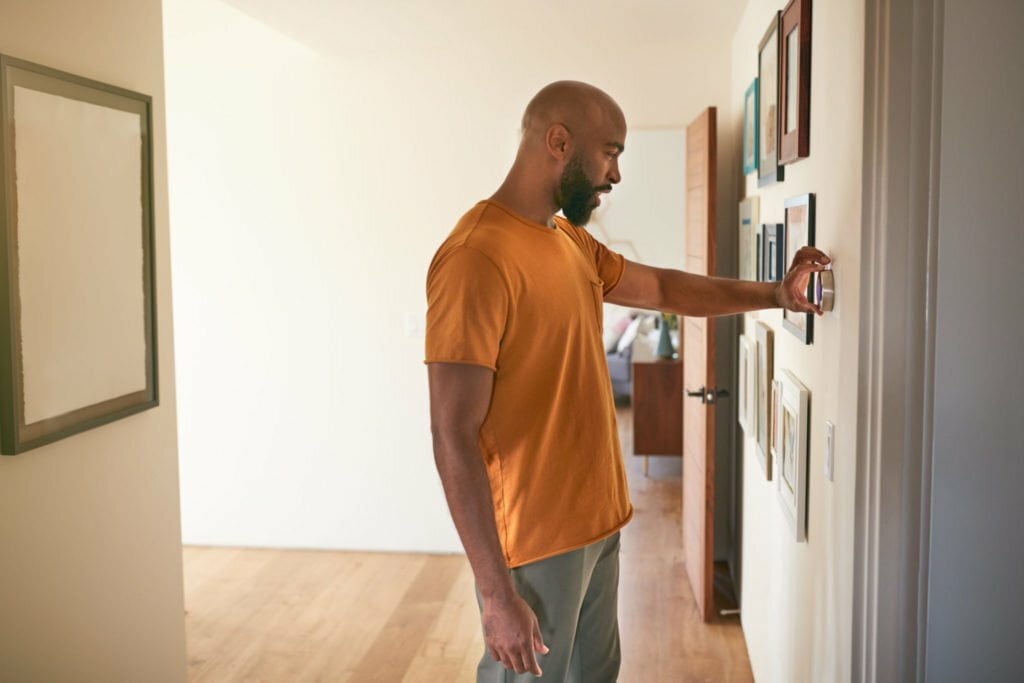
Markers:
point(617, 145)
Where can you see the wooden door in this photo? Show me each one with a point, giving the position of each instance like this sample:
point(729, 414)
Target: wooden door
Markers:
point(699, 367)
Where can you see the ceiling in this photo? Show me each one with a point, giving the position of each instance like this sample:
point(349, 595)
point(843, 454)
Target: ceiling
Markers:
point(353, 27)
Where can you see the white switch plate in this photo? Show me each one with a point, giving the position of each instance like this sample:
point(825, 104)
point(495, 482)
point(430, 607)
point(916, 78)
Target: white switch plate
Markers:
point(830, 450)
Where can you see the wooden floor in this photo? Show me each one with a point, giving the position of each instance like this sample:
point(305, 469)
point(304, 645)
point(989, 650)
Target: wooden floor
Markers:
point(284, 616)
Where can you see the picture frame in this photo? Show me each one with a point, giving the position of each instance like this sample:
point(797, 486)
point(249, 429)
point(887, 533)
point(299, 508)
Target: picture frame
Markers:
point(78, 335)
point(799, 232)
point(765, 374)
point(795, 82)
point(750, 129)
point(772, 258)
point(769, 170)
point(748, 255)
point(747, 406)
point(773, 422)
point(793, 451)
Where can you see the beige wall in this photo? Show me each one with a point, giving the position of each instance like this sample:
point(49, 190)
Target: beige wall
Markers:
point(312, 176)
point(91, 580)
point(797, 596)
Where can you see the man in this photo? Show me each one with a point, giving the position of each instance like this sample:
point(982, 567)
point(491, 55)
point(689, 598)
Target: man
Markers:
point(522, 415)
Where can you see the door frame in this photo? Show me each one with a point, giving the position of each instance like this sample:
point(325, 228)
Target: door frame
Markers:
point(902, 127)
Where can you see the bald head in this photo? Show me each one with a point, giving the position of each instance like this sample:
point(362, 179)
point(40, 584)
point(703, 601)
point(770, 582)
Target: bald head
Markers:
point(573, 134)
point(580, 107)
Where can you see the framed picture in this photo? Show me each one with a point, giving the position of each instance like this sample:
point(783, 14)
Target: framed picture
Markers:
point(747, 238)
point(773, 419)
point(759, 253)
point(795, 82)
point(772, 266)
point(77, 290)
point(765, 362)
point(799, 233)
point(794, 428)
point(750, 129)
point(748, 385)
point(768, 168)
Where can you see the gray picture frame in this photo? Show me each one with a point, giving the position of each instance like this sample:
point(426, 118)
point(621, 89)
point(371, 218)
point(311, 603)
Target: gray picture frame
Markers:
point(71, 91)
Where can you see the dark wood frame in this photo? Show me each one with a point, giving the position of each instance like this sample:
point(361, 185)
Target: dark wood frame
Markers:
point(796, 144)
point(768, 173)
point(15, 435)
point(805, 334)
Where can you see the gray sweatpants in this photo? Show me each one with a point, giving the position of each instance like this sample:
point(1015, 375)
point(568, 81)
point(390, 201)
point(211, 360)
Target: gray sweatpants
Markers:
point(575, 598)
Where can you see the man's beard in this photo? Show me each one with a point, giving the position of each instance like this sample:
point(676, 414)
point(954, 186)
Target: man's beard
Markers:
point(575, 193)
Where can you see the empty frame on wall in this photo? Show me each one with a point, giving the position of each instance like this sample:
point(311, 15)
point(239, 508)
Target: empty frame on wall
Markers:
point(77, 292)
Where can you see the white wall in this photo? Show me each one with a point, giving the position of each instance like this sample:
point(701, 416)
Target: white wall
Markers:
point(316, 165)
point(797, 597)
point(91, 580)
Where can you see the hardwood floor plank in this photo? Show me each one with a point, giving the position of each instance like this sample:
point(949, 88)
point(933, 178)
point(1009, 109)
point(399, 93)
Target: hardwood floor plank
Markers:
point(410, 623)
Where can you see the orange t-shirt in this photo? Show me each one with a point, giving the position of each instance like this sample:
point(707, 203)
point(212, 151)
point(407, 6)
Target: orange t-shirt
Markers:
point(526, 301)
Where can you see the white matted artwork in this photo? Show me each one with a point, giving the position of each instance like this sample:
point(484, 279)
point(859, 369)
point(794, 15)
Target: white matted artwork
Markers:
point(748, 385)
point(78, 297)
point(748, 232)
point(793, 435)
point(765, 372)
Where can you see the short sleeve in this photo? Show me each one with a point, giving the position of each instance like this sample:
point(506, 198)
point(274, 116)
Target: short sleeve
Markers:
point(467, 308)
point(609, 264)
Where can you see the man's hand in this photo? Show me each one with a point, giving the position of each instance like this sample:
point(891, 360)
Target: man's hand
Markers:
point(512, 634)
point(791, 293)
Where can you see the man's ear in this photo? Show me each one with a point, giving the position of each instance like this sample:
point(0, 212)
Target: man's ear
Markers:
point(559, 142)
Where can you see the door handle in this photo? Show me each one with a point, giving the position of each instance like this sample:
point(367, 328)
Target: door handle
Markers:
point(707, 396)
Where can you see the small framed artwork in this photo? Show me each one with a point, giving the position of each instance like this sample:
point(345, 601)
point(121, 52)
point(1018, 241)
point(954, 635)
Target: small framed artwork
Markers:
point(773, 419)
point(747, 385)
point(794, 432)
point(799, 233)
point(765, 361)
point(759, 252)
point(750, 129)
point(77, 285)
point(747, 238)
point(795, 82)
point(772, 258)
point(768, 168)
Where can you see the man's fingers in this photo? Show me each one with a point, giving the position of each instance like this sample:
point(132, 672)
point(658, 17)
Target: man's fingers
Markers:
point(530, 662)
point(538, 642)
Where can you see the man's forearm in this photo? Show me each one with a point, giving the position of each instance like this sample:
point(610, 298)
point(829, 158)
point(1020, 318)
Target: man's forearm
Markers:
point(701, 296)
point(468, 492)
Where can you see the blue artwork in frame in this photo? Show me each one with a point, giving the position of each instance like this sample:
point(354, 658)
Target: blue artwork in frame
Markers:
point(750, 129)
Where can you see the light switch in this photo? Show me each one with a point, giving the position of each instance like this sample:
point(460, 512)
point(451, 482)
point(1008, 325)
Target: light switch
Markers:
point(830, 450)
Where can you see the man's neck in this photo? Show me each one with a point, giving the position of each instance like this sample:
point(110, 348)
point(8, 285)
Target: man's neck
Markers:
point(527, 201)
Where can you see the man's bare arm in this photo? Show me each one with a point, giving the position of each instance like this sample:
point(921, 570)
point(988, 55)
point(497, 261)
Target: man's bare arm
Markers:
point(460, 396)
point(675, 291)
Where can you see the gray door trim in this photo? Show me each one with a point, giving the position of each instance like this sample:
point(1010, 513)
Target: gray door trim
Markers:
point(902, 98)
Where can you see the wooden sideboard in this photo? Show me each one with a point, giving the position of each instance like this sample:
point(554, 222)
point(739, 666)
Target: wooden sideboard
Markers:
point(657, 408)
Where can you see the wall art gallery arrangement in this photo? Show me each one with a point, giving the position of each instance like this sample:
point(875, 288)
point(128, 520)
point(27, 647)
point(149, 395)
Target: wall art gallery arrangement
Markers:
point(774, 408)
point(77, 319)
